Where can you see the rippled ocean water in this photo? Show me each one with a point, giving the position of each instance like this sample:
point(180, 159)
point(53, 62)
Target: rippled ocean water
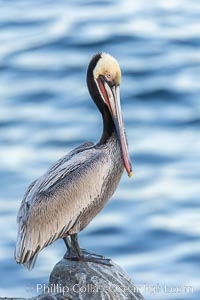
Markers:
point(151, 227)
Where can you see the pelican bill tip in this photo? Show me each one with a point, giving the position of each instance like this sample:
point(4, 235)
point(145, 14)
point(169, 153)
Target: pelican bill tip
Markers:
point(130, 174)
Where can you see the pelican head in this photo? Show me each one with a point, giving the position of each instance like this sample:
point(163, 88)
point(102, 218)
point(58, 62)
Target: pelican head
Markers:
point(103, 79)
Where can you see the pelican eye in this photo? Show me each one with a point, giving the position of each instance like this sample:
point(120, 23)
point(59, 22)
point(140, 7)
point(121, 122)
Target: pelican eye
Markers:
point(108, 76)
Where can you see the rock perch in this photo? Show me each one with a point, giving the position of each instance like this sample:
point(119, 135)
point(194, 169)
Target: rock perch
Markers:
point(90, 281)
point(76, 280)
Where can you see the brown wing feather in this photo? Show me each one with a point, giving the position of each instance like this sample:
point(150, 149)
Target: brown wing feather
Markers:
point(53, 202)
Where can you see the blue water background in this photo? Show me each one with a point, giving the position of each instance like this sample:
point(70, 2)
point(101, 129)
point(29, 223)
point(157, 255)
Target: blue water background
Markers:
point(151, 227)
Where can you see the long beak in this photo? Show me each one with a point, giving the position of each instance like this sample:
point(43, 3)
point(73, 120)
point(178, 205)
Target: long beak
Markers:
point(111, 97)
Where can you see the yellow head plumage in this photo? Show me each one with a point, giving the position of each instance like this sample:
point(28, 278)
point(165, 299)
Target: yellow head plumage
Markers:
point(108, 67)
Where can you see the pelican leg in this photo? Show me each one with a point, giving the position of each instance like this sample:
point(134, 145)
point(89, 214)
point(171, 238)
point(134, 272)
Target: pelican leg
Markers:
point(67, 243)
point(83, 255)
point(74, 241)
point(70, 249)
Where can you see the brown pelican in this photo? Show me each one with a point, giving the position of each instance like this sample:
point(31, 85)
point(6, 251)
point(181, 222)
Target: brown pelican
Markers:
point(72, 192)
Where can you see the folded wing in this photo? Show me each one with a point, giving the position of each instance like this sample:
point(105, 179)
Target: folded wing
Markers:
point(53, 203)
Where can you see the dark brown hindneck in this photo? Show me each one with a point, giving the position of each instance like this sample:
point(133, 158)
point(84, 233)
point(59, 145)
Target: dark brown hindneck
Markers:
point(108, 125)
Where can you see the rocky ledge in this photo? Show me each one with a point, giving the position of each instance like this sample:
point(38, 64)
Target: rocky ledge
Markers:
point(76, 280)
